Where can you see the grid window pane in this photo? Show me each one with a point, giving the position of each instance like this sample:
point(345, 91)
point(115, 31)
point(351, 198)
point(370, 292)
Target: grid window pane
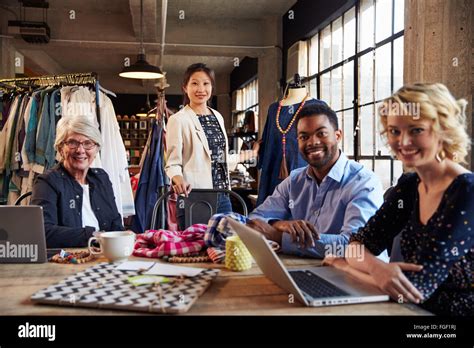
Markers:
point(382, 148)
point(366, 74)
point(367, 164)
point(383, 19)
point(326, 87)
point(339, 121)
point(366, 24)
point(313, 92)
point(336, 44)
point(348, 130)
point(382, 170)
point(382, 72)
point(336, 54)
point(398, 63)
point(397, 171)
point(349, 33)
point(325, 44)
point(348, 70)
point(313, 55)
point(366, 130)
point(336, 89)
point(399, 15)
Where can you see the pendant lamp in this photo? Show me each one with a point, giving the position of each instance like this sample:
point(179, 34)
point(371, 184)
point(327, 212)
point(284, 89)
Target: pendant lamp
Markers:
point(141, 69)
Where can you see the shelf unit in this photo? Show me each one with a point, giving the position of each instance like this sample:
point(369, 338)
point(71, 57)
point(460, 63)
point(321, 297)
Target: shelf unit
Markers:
point(134, 131)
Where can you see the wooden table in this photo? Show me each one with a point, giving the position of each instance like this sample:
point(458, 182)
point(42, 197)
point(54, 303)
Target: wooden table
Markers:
point(231, 293)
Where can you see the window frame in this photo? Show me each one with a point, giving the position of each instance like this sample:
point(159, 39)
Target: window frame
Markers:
point(355, 58)
point(243, 96)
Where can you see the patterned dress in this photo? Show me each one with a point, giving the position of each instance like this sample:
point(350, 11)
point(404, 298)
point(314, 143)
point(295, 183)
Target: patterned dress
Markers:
point(216, 140)
point(444, 246)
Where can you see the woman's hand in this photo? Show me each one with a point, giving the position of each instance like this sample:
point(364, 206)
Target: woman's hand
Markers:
point(390, 279)
point(180, 186)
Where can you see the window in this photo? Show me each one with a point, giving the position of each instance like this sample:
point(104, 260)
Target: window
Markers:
point(246, 99)
point(354, 63)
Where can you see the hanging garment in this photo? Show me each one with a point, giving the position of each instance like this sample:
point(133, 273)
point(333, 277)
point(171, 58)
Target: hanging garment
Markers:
point(271, 149)
point(30, 139)
point(159, 243)
point(152, 179)
point(6, 130)
point(4, 139)
point(12, 155)
point(114, 157)
point(43, 134)
point(26, 119)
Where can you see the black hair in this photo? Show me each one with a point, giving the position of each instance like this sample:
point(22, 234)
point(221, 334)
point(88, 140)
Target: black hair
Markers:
point(190, 71)
point(319, 109)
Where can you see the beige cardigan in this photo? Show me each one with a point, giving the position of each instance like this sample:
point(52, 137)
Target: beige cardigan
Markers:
point(188, 151)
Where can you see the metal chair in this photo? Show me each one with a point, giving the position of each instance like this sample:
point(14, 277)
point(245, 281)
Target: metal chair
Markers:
point(22, 197)
point(199, 206)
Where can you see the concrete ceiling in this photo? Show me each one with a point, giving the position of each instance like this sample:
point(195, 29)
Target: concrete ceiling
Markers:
point(104, 33)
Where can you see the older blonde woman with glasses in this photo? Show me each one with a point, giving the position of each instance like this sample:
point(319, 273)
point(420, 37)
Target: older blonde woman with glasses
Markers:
point(77, 200)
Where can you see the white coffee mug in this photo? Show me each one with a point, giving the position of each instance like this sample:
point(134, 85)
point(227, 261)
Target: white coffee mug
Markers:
point(115, 246)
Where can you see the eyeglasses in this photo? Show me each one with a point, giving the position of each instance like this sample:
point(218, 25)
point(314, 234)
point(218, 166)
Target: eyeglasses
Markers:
point(74, 144)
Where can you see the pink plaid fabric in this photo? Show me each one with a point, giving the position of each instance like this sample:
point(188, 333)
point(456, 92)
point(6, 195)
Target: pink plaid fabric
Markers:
point(159, 243)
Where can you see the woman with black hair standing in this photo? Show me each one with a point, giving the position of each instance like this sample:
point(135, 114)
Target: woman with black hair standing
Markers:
point(197, 150)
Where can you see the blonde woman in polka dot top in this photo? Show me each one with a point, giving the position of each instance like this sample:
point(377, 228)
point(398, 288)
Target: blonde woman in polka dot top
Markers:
point(427, 220)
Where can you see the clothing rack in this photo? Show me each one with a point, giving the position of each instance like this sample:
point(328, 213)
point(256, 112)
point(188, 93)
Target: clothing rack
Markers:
point(62, 79)
point(76, 78)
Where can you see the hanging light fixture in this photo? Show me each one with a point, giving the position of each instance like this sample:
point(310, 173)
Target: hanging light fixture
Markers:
point(141, 69)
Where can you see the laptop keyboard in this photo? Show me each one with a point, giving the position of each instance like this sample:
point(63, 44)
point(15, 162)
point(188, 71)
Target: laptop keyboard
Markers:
point(315, 286)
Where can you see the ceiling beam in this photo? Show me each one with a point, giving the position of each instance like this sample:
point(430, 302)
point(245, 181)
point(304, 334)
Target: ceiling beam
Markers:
point(150, 19)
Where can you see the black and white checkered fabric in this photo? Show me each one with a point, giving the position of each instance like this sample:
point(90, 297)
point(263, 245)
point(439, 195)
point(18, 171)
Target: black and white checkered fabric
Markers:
point(103, 286)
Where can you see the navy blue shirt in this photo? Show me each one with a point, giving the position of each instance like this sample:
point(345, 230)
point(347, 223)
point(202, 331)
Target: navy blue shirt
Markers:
point(444, 246)
point(61, 195)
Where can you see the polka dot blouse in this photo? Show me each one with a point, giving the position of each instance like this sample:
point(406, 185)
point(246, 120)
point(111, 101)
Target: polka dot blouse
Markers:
point(444, 246)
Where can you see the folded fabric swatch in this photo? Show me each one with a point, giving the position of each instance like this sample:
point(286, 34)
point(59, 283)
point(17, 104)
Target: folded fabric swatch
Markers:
point(218, 230)
point(216, 255)
point(159, 243)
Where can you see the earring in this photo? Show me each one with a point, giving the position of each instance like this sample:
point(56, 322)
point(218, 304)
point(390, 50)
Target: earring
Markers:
point(440, 156)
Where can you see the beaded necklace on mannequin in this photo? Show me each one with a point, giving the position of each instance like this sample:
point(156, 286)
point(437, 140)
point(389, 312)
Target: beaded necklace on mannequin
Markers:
point(295, 95)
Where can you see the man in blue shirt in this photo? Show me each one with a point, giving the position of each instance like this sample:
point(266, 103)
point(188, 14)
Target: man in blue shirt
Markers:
point(317, 208)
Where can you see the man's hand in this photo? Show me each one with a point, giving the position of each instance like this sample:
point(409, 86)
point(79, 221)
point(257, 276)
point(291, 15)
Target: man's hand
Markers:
point(300, 230)
point(267, 230)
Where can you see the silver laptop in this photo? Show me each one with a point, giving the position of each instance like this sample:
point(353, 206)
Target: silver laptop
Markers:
point(315, 286)
point(22, 237)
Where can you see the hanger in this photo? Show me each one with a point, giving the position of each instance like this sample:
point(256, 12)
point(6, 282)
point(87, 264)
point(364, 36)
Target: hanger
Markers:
point(106, 91)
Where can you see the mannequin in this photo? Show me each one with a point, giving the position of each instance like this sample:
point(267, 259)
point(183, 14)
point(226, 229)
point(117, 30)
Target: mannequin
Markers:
point(278, 153)
point(295, 96)
point(296, 93)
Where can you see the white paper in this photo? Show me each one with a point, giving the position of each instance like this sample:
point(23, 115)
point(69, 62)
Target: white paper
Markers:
point(134, 265)
point(173, 271)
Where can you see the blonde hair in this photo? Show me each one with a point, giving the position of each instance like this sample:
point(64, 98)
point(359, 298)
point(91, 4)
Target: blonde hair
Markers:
point(75, 124)
point(433, 101)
